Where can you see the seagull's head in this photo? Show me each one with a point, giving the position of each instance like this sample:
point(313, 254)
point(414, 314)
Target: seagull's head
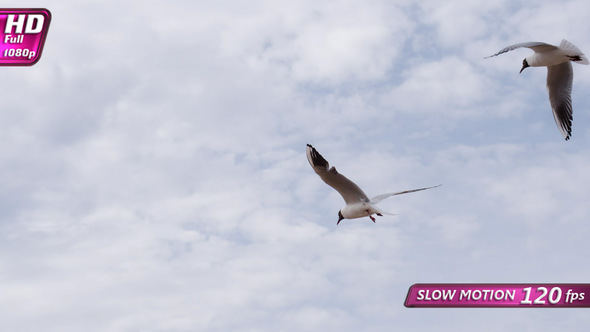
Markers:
point(340, 217)
point(524, 65)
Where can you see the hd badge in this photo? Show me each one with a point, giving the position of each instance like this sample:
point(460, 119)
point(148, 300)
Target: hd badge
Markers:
point(23, 33)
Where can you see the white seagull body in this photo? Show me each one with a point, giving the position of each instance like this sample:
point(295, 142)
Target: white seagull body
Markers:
point(358, 205)
point(560, 76)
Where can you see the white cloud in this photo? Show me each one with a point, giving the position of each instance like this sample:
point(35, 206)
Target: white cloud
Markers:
point(422, 91)
point(154, 172)
point(329, 44)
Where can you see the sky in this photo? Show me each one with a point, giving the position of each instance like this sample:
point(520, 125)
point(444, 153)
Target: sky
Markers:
point(154, 175)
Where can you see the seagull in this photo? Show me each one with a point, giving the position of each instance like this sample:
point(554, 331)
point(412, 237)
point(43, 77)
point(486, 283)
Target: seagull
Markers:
point(358, 205)
point(559, 76)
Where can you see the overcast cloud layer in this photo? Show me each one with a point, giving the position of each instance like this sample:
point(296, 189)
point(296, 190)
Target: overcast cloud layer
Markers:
point(154, 175)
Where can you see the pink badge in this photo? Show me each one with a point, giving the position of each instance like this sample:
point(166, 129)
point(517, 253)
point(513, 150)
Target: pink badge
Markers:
point(22, 35)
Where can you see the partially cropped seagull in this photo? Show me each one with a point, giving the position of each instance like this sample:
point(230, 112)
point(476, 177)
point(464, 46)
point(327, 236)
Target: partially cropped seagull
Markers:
point(358, 205)
point(559, 76)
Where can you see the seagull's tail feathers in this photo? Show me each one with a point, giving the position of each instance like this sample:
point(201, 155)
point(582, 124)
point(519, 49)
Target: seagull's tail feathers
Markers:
point(575, 51)
point(381, 197)
point(387, 213)
point(380, 212)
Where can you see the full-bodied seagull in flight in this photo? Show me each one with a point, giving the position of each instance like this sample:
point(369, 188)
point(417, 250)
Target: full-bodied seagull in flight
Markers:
point(559, 76)
point(358, 205)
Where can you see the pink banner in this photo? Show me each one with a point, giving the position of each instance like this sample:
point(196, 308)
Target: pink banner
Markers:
point(499, 295)
point(22, 35)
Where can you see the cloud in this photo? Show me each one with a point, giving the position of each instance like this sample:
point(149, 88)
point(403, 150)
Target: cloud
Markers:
point(154, 172)
point(421, 90)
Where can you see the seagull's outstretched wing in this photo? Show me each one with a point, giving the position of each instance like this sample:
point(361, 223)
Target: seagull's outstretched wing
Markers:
point(559, 86)
point(535, 46)
point(381, 197)
point(348, 189)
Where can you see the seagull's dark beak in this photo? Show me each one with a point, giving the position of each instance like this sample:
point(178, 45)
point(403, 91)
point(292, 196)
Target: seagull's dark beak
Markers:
point(524, 65)
point(340, 217)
